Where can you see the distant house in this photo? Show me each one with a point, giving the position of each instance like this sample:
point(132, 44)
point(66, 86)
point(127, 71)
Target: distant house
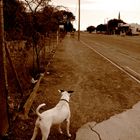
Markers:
point(135, 28)
point(129, 29)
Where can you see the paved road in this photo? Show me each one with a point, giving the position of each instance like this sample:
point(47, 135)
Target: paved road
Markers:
point(125, 51)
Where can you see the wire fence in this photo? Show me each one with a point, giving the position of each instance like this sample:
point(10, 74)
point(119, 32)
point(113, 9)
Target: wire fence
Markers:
point(22, 64)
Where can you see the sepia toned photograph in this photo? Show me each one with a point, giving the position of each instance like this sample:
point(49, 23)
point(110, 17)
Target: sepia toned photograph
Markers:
point(69, 70)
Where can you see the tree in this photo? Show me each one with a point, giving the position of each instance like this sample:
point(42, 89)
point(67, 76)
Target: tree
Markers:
point(32, 19)
point(33, 7)
point(101, 28)
point(45, 20)
point(113, 24)
point(68, 26)
point(4, 123)
point(90, 29)
point(14, 13)
point(68, 17)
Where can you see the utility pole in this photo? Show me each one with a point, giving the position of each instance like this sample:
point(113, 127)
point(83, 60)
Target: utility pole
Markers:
point(79, 20)
point(4, 121)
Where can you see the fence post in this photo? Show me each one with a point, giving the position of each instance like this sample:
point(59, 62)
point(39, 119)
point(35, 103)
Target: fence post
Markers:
point(4, 121)
point(57, 37)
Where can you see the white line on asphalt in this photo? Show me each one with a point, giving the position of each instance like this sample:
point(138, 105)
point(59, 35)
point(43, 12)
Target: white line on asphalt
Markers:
point(136, 73)
point(113, 63)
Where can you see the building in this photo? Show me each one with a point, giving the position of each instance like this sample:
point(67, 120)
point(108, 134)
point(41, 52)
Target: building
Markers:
point(129, 29)
point(135, 28)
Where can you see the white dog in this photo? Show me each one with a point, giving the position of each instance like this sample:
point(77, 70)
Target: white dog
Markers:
point(52, 116)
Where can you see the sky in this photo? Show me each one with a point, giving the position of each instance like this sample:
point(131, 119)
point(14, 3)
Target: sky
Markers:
point(95, 12)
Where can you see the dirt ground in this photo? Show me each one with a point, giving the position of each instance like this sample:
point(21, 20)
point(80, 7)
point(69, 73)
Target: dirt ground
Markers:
point(100, 90)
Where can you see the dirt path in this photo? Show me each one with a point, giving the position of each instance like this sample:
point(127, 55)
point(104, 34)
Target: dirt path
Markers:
point(100, 89)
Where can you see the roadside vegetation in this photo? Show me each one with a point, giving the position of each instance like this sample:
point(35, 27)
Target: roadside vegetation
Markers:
point(116, 26)
point(31, 33)
point(22, 19)
point(33, 21)
point(110, 28)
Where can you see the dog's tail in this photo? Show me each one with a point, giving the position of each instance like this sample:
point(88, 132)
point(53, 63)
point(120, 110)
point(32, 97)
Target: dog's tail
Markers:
point(38, 108)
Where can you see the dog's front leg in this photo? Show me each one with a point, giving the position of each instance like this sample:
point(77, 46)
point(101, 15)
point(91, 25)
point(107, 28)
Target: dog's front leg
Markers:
point(68, 126)
point(59, 128)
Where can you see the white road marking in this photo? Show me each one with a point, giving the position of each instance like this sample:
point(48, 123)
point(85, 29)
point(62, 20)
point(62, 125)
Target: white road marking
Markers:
point(113, 63)
point(136, 73)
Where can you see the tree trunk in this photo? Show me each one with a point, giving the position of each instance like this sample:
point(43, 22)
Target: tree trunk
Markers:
point(4, 123)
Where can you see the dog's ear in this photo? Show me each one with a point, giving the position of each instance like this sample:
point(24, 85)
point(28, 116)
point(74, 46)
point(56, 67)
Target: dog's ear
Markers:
point(61, 90)
point(70, 91)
